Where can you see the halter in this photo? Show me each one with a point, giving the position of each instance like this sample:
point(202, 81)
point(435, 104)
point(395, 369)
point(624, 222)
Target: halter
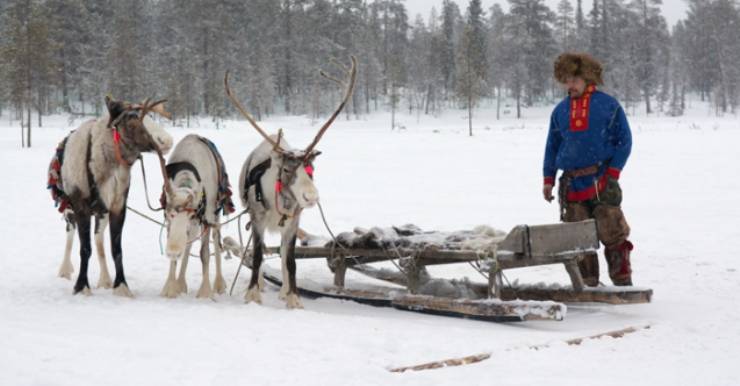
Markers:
point(118, 139)
point(198, 211)
point(117, 142)
point(279, 189)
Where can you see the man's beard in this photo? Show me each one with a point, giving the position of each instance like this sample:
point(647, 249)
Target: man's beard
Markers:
point(574, 93)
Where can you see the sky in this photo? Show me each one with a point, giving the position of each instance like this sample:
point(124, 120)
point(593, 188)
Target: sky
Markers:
point(673, 10)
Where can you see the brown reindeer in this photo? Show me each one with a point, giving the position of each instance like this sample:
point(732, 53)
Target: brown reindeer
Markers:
point(90, 176)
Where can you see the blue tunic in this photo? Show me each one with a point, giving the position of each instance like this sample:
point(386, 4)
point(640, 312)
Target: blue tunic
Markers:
point(606, 142)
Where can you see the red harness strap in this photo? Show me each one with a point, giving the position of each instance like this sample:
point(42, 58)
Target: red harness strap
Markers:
point(117, 147)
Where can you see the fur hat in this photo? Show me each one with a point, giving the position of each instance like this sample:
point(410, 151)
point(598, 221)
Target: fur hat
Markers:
point(578, 64)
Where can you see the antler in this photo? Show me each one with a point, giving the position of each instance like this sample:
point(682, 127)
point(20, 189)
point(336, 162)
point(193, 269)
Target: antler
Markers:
point(235, 102)
point(156, 107)
point(352, 71)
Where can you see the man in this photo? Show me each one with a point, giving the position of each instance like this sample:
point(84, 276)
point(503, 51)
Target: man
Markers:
point(590, 140)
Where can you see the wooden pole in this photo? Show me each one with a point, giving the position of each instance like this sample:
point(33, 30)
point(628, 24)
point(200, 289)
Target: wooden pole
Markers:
point(484, 356)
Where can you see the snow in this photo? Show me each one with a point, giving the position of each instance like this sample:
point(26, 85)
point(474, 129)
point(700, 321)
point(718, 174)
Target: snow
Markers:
point(681, 199)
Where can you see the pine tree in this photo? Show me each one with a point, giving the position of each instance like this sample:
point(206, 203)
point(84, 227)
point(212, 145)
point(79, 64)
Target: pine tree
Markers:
point(26, 59)
point(532, 33)
point(498, 70)
point(564, 28)
point(472, 63)
point(652, 31)
point(450, 16)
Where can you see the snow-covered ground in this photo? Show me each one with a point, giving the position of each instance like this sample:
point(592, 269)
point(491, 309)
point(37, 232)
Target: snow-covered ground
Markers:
point(681, 198)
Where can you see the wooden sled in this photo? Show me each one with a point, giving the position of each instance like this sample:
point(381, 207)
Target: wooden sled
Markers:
point(523, 246)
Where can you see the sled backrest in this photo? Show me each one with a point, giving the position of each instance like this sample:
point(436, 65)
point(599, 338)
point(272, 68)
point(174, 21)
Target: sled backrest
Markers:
point(550, 239)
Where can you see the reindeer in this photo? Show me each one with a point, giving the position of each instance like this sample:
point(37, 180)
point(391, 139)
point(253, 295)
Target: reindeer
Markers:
point(95, 177)
point(196, 189)
point(282, 181)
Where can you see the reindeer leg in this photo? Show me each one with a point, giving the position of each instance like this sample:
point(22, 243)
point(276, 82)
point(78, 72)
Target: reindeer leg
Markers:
point(171, 288)
point(253, 292)
point(66, 269)
point(120, 287)
point(205, 287)
point(101, 222)
point(284, 288)
point(292, 300)
point(182, 284)
point(83, 231)
point(219, 284)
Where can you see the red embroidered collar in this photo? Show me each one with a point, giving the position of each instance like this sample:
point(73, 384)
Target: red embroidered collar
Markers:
point(579, 108)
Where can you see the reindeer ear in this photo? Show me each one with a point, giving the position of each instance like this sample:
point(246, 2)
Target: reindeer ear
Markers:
point(115, 108)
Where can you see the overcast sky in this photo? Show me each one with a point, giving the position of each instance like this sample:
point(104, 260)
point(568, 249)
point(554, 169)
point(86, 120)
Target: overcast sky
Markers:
point(673, 10)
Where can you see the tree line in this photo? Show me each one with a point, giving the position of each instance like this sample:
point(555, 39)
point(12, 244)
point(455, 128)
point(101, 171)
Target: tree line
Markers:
point(65, 55)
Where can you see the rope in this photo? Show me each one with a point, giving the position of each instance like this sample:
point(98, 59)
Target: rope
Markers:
point(145, 216)
point(146, 188)
point(336, 242)
point(242, 213)
point(244, 257)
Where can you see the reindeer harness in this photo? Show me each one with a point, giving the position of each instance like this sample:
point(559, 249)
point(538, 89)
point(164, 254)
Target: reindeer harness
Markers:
point(254, 178)
point(55, 181)
point(224, 202)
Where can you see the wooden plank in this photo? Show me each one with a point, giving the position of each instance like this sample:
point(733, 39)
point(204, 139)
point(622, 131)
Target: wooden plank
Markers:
point(609, 295)
point(466, 360)
point(575, 275)
point(490, 309)
point(549, 239)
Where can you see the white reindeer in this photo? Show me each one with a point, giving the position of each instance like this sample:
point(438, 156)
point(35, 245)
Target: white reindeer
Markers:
point(193, 201)
point(95, 177)
point(276, 184)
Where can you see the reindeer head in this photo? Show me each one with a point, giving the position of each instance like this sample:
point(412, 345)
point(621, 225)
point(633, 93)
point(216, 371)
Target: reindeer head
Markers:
point(295, 173)
point(182, 204)
point(295, 176)
point(180, 214)
point(134, 129)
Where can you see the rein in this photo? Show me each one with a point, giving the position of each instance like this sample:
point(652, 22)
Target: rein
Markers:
point(146, 188)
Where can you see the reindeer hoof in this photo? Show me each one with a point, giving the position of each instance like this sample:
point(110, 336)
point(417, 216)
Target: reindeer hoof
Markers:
point(253, 295)
point(292, 302)
point(122, 290)
point(66, 270)
point(85, 291)
point(170, 290)
point(104, 281)
point(182, 285)
point(204, 292)
point(219, 286)
point(283, 295)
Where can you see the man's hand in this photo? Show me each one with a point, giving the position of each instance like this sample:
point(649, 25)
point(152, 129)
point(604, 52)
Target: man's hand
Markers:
point(547, 192)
